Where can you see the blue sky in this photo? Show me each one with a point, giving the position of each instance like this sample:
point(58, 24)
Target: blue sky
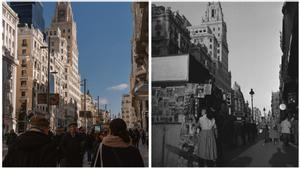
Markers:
point(104, 31)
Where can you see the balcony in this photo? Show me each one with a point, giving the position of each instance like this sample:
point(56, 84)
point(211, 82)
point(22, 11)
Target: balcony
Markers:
point(141, 70)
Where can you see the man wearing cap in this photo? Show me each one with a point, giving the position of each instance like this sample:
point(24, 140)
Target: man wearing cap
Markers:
point(71, 146)
point(33, 148)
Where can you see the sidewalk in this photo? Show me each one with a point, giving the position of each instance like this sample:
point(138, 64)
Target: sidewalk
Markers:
point(266, 155)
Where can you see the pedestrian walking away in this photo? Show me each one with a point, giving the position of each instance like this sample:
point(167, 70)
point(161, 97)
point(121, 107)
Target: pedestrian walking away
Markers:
point(116, 150)
point(34, 148)
point(286, 130)
point(11, 137)
point(206, 146)
point(72, 147)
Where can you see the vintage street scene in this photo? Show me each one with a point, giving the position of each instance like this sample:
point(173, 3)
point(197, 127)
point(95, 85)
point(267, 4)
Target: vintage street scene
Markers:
point(75, 84)
point(224, 84)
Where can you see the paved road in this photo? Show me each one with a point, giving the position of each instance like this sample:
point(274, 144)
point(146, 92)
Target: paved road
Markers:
point(266, 155)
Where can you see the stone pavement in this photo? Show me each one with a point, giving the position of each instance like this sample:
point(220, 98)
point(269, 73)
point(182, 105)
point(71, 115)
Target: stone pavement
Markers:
point(266, 155)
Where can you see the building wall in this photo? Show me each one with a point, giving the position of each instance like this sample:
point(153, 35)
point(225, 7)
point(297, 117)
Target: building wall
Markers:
point(139, 72)
point(212, 33)
point(63, 19)
point(9, 65)
point(275, 102)
point(169, 33)
point(31, 72)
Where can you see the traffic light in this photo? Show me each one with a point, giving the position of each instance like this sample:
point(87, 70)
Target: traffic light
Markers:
point(228, 99)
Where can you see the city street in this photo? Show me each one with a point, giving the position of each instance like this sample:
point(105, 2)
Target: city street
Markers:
point(263, 155)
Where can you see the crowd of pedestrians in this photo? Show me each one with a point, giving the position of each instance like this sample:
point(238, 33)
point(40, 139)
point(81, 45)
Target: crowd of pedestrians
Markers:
point(39, 147)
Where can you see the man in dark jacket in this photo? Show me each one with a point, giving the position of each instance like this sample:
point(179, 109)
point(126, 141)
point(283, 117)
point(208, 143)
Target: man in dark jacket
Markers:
point(72, 149)
point(34, 148)
point(11, 137)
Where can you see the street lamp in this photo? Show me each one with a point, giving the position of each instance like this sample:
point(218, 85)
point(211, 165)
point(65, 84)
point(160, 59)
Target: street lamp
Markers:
point(84, 104)
point(251, 93)
point(48, 87)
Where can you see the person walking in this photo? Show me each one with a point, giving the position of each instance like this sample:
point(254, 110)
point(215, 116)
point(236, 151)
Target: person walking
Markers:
point(72, 147)
point(116, 150)
point(11, 137)
point(266, 133)
point(286, 130)
point(295, 129)
point(206, 146)
point(143, 136)
point(34, 148)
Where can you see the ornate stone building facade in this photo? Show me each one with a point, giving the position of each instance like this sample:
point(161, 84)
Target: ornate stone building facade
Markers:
point(31, 74)
point(139, 71)
point(128, 114)
point(289, 89)
point(58, 63)
point(213, 34)
point(238, 102)
point(63, 19)
point(170, 35)
point(9, 66)
point(275, 102)
point(91, 107)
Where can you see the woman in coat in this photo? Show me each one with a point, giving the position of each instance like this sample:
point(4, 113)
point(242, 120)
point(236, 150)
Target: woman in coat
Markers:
point(115, 149)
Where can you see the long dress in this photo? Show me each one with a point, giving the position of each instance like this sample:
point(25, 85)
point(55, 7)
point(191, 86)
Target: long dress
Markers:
point(207, 147)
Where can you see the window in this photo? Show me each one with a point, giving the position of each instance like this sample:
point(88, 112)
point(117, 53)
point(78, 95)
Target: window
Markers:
point(218, 28)
point(64, 30)
point(212, 13)
point(218, 35)
point(69, 30)
point(23, 83)
point(24, 42)
point(68, 37)
point(210, 39)
point(54, 32)
point(200, 31)
point(62, 51)
point(62, 43)
point(204, 30)
point(214, 29)
point(196, 31)
point(218, 45)
point(218, 50)
point(23, 72)
point(50, 32)
point(23, 94)
point(23, 51)
point(210, 46)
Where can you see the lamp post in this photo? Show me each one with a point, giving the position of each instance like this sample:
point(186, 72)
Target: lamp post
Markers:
point(84, 103)
point(251, 93)
point(48, 85)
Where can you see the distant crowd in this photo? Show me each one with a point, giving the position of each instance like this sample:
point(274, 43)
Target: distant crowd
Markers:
point(39, 147)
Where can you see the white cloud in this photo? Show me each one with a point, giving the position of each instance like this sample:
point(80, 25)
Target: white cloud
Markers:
point(103, 101)
point(119, 87)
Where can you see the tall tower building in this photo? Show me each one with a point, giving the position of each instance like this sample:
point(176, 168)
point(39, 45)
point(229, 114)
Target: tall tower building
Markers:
point(63, 19)
point(30, 13)
point(213, 34)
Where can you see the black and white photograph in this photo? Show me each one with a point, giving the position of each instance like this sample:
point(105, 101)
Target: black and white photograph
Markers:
point(224, 84)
